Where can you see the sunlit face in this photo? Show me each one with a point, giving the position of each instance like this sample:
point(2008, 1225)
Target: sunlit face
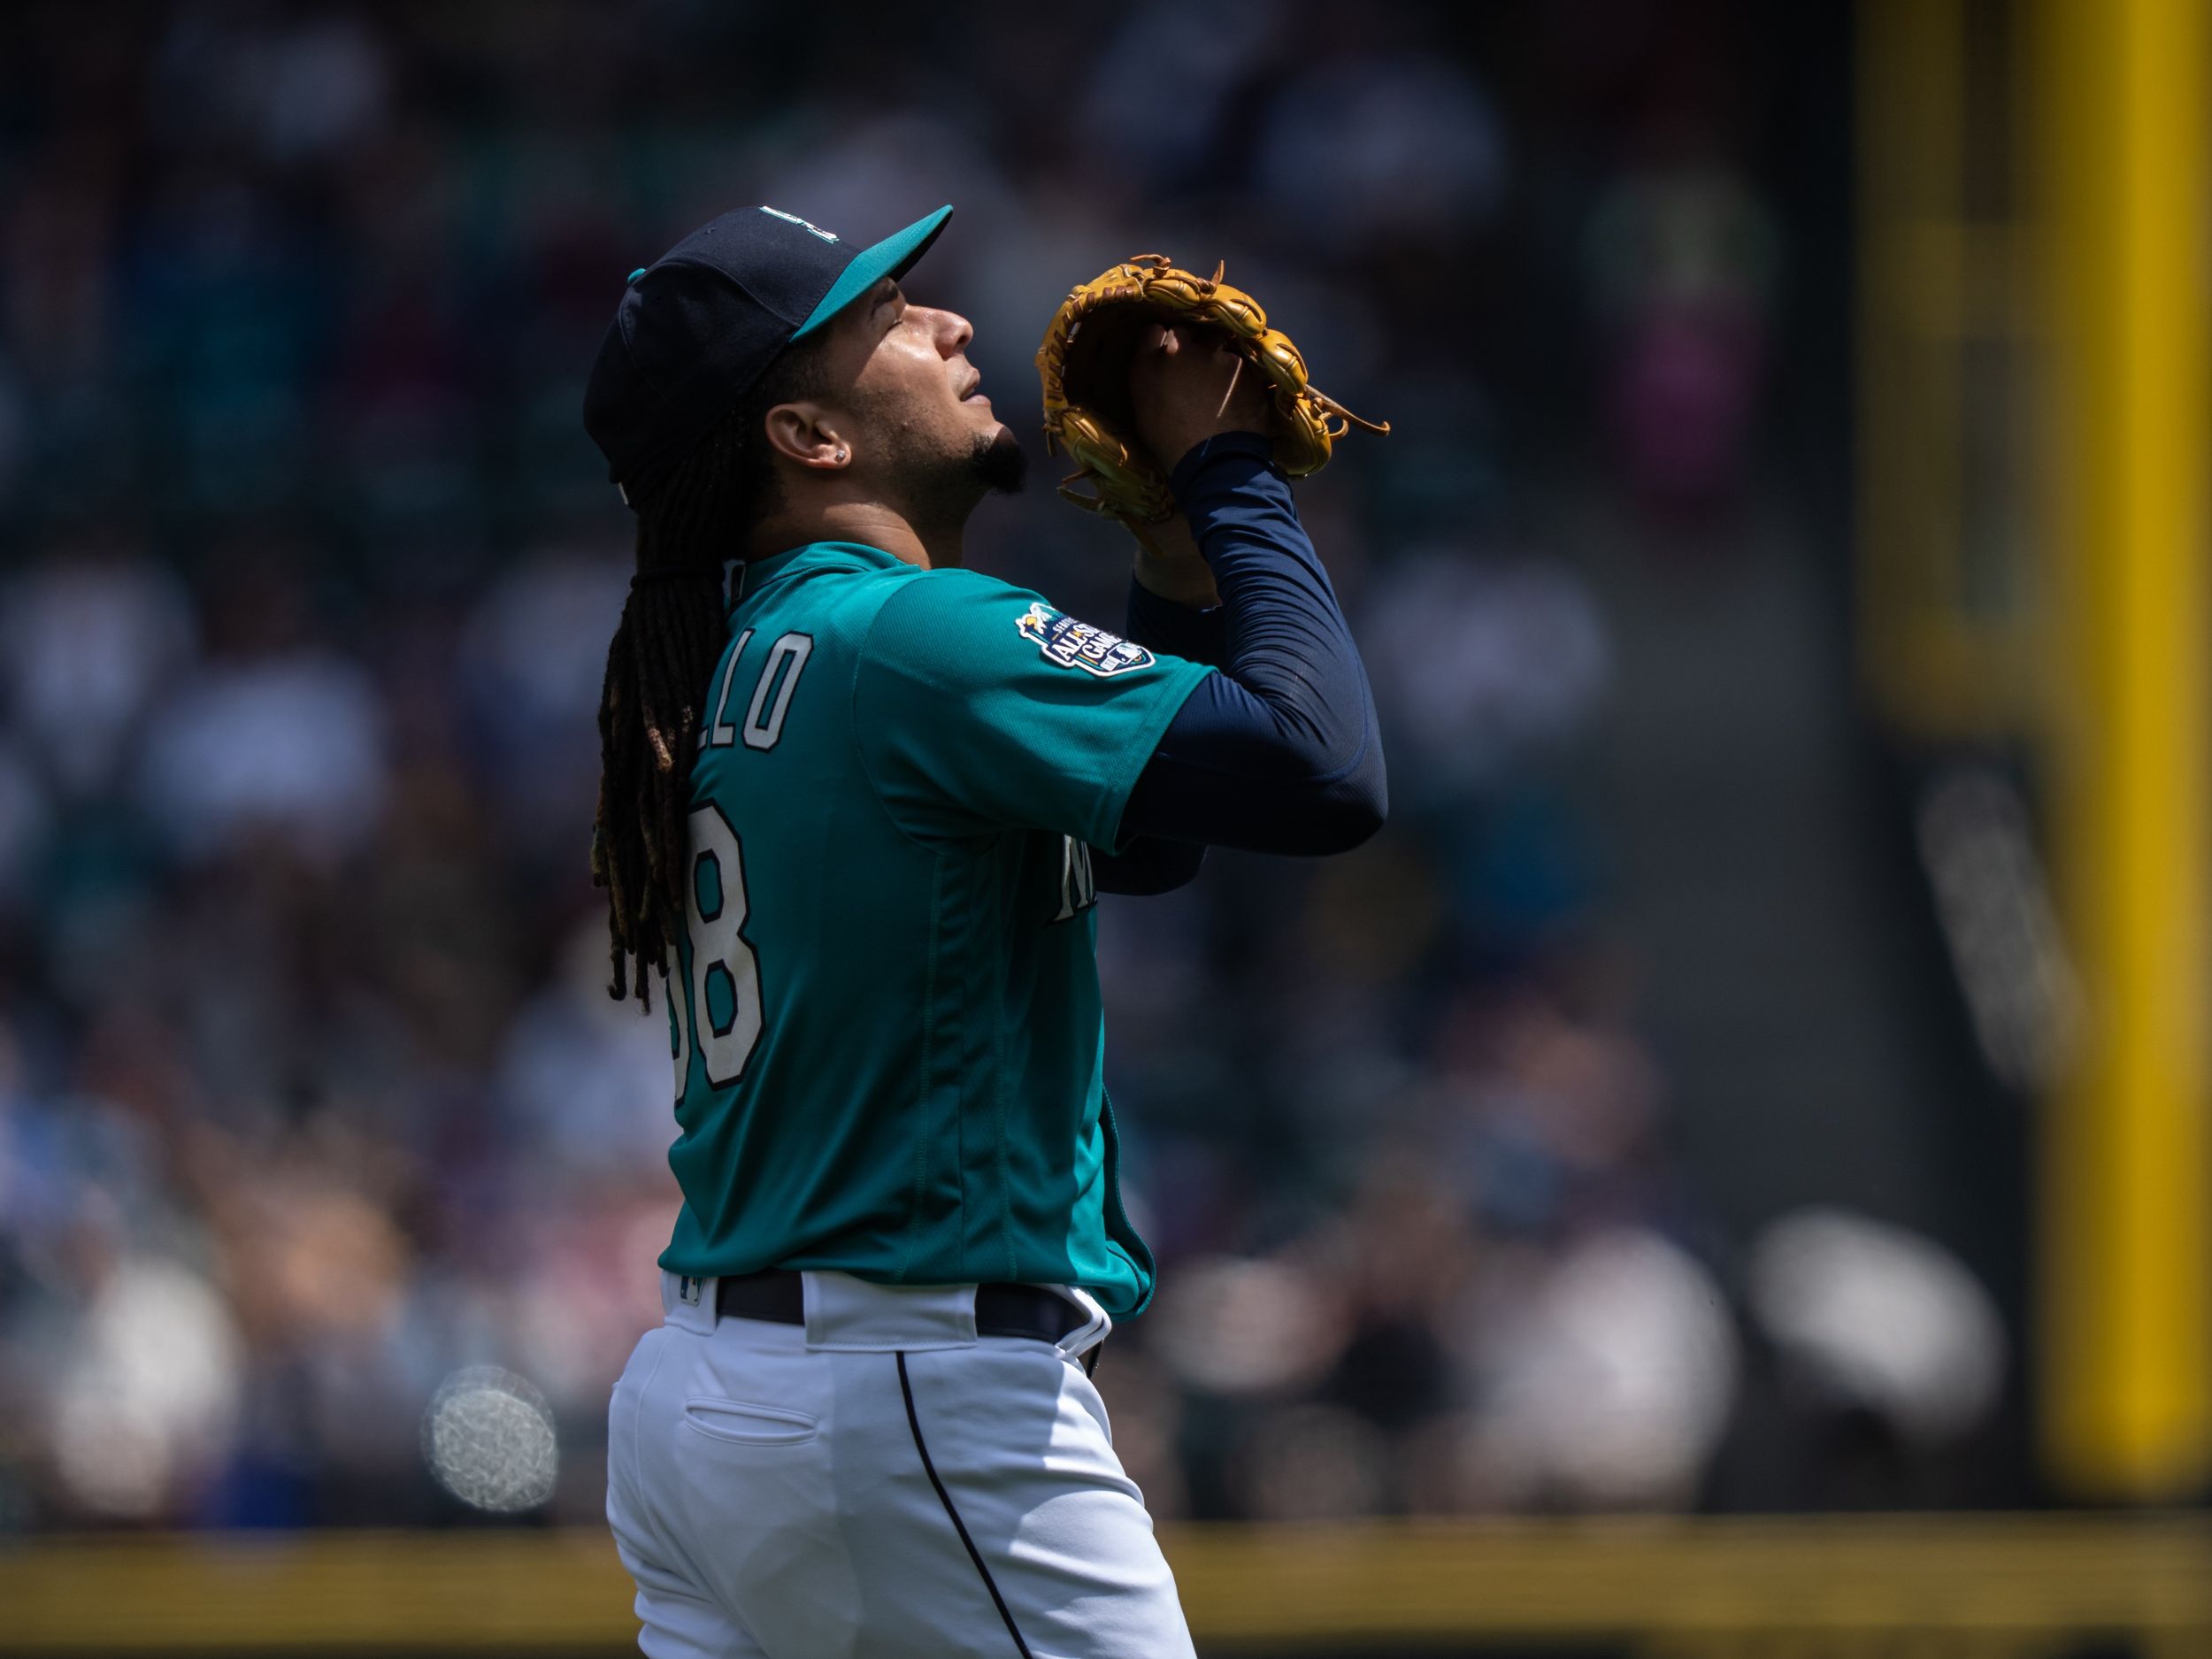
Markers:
point(920, 430)
point(917, 370)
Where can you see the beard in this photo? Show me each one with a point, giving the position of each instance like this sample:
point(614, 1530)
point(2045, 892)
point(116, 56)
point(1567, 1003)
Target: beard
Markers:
point(999, 462)
point(943, 488)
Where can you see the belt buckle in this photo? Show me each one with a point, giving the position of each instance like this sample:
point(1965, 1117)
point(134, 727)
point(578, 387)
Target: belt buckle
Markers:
point(1097, 1326)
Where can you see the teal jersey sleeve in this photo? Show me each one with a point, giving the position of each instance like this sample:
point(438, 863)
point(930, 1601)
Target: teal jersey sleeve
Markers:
point(979, 707)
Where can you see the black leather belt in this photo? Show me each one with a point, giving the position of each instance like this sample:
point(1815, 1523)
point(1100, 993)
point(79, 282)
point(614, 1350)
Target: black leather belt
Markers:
point(778, 1294)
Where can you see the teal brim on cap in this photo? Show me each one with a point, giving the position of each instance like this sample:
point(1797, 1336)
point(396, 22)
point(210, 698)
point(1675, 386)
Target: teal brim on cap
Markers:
point(893, 257)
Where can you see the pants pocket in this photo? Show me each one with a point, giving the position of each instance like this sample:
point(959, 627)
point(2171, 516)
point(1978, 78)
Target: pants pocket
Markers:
point(742, 1423)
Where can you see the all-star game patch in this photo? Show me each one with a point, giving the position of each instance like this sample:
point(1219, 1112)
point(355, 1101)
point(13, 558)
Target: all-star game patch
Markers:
point(1074, 644)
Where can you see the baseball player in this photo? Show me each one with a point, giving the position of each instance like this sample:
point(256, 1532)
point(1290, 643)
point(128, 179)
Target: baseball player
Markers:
point(857, 806)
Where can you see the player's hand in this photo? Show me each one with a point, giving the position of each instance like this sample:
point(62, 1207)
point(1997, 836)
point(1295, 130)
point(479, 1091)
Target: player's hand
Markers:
point(1186, 384)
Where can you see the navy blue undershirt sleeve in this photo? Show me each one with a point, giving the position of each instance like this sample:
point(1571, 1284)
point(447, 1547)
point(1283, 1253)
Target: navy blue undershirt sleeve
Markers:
point(1196, 636)
point(1150, 865)
point(1278, 752)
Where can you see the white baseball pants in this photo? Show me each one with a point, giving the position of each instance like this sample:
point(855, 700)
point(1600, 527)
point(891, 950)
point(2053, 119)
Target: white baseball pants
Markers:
point(880, 1481)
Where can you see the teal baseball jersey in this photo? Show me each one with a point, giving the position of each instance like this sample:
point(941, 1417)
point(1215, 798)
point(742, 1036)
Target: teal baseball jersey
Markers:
point(884, 1012)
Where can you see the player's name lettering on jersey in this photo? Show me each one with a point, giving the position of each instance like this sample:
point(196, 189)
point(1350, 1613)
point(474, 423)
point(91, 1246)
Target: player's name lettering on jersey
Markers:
point(772, 694)
point(1074, 644)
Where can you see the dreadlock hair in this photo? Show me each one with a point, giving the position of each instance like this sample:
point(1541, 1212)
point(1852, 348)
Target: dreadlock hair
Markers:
point(690, 519)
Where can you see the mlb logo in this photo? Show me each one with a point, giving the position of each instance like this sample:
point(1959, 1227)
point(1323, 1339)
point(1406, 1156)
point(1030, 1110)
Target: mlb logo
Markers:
point(688, 1290)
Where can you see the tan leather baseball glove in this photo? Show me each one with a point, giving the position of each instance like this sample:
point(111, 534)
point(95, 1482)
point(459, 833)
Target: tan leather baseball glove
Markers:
point(1083, 365)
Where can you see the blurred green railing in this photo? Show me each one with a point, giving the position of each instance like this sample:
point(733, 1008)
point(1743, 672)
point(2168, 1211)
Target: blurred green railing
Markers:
point(2002, 1587)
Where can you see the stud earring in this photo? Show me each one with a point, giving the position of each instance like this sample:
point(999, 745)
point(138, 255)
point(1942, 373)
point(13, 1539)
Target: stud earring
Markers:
point(841, 455)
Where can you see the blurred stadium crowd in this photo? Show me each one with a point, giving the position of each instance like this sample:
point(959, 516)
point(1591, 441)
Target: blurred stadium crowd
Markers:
point(310, 1094)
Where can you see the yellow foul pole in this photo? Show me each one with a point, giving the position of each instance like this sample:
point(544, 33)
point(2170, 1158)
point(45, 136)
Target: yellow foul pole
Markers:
point(2119, 106)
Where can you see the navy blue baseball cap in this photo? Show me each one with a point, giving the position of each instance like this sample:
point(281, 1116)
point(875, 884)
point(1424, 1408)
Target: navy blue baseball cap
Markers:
point(698, 325)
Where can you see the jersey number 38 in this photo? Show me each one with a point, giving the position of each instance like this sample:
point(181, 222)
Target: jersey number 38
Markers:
point(725, 974)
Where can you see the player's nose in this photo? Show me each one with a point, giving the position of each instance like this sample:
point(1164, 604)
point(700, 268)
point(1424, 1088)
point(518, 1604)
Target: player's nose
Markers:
point(954, 331)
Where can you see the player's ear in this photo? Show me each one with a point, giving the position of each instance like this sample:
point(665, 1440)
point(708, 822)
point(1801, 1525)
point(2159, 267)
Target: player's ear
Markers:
point(807, 434)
